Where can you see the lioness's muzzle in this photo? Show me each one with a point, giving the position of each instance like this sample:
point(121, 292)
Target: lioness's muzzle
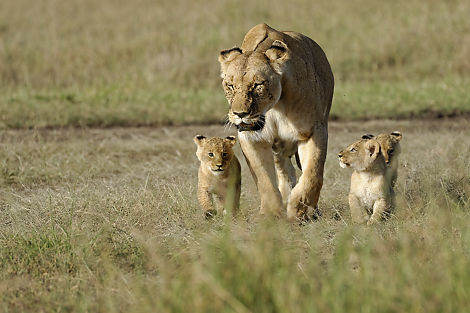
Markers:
point(259, 124)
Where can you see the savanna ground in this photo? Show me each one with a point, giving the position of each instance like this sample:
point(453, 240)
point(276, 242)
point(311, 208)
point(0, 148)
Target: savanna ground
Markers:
point(99, 101)
point(107, 220)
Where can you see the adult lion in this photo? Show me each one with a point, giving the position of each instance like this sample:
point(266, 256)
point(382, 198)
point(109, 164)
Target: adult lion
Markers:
point(280, 86)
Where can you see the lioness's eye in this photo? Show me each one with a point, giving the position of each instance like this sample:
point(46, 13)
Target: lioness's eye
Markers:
point(390, 151)
point(224, 155)
point(210, 154)
point(353, 150)
point(256, 85)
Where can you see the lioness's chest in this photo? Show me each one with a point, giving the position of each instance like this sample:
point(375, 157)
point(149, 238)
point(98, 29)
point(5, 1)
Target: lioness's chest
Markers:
point(282, 133)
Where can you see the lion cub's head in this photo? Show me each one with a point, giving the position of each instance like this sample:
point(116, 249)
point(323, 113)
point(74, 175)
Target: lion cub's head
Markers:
point(360, 155)
point(389, 144)
point(215, 153)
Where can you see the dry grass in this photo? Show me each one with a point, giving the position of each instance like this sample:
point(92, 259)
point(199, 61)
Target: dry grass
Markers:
point(155, 62)
point(107, 221)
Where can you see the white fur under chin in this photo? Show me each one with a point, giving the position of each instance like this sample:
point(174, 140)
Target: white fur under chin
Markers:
point(342, 164)
point(217, 173)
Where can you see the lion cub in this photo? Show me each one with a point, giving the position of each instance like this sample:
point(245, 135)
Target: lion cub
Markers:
point(219, 175)
point(390, 145)
point(371, 196)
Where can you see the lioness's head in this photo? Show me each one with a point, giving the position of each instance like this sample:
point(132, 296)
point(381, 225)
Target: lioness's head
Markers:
point(389, 144)
point(215, 153)
point(252, 83)
point(360, 155)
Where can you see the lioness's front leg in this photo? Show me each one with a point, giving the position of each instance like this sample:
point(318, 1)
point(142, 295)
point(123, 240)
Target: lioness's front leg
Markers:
point(286, 177)
point(259, 158)
point(312, 153)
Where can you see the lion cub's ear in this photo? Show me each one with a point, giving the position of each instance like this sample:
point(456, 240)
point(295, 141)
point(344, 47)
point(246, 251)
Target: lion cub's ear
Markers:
point(373, 148)
point(397, 135)
point(231, 139)
point(367, 136)
point(199, 140)
point(277, 51)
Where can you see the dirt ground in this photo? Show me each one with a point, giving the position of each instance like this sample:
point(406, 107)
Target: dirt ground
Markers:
point(38, 161)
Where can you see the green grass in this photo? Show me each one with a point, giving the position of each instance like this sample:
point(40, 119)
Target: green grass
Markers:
point(145, 63)
point(97, 220)
point(106, 107)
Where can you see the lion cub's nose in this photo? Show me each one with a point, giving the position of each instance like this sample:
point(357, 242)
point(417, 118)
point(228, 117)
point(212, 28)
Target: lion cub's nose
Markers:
point(241, 114)
point(219, 165)
point(340, 155)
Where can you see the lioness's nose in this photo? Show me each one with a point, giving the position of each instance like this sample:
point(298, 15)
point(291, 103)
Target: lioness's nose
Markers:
point(241, 114)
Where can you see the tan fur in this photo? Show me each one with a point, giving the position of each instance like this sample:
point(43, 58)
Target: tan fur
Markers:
point(219, 175)
point(280, 87)
point(371, 195)
point(391, 149)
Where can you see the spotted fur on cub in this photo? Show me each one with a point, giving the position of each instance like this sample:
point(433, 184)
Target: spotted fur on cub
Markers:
point(371, 196)
point(219, 177)
point(391, 149)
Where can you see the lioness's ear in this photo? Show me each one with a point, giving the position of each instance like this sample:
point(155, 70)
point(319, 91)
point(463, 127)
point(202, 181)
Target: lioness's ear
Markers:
point(277, 51)
point(367, 136)
point(228, 55)
point(231, 139)
point(199, 140)
point(397, 135)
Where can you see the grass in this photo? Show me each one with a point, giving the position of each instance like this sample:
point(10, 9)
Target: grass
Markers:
point(100, 220)
point(97, 215)
point(109, 107)
point(155, 63)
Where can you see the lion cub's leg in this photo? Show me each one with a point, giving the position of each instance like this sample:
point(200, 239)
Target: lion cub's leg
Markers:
point(380, 207)
point(358, 213)
point(204, 197)
point(392, 171)
point(286, 177)
point(312, 155)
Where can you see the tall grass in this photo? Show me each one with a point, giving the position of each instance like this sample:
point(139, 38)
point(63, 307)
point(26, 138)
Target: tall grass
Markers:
point(107, 221)
point(153, 56)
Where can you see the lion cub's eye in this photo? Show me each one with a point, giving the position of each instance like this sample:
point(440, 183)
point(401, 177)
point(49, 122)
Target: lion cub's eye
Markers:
point(230, 86)
point(390, 151)
point(353, 150)
point(210, 154)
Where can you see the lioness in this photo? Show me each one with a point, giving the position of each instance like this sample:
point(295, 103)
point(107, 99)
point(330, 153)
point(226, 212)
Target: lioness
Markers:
point(280, 86)
point(371, 196)
point(219, 175)
point(390, 147)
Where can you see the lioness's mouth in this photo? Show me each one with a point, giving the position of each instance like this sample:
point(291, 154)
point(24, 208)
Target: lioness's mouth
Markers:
point(259, 124)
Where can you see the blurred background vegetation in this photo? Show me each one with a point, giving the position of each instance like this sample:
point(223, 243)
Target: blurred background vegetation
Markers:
point(144, 62)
